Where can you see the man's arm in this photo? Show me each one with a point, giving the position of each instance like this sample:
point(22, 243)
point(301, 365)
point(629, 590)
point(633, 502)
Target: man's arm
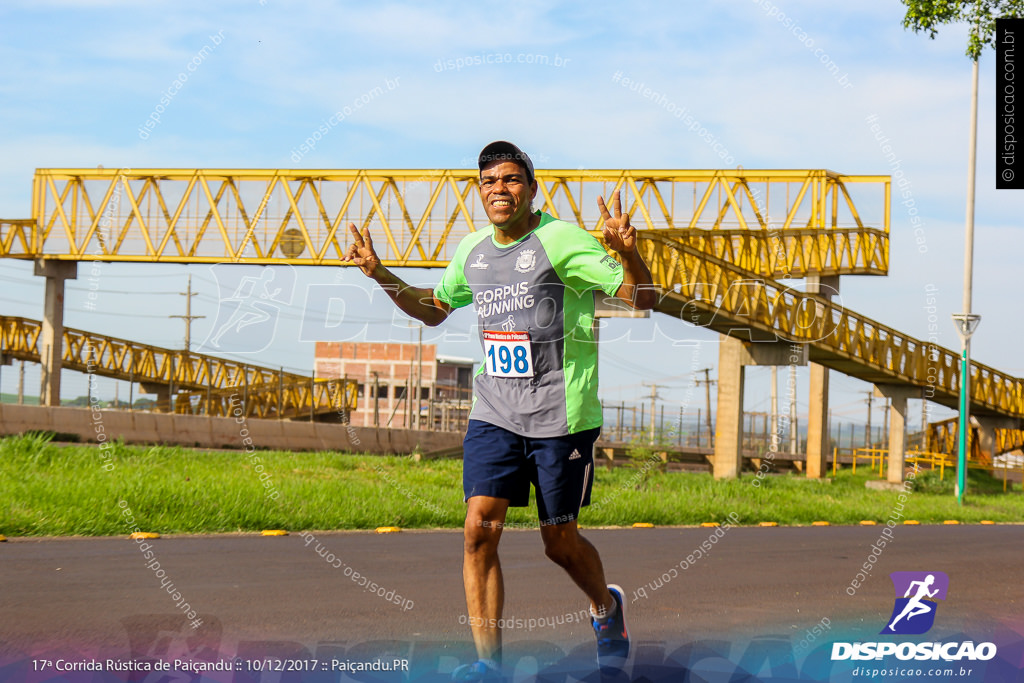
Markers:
point(417, 302)
point(637, 288)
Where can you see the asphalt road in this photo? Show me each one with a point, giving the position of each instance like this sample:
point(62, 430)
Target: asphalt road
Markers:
point(278, 597)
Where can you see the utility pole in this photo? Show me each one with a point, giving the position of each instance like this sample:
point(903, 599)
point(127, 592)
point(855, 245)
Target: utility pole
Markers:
point(416, 385)
point(419, 373)
point(376, 399)
point(828, 429)
point(188, 317)
point(679, 426)
point(21, 383)
point(707, 382)
point(867, 428)
point(408, 401)
point(654, 398)
point(792, 409)
point(885, 422)
point(774, 438)
point(924, 422)
point(622, 416)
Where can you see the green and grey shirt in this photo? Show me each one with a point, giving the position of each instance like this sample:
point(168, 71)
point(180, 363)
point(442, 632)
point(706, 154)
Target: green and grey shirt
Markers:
point(534, 302)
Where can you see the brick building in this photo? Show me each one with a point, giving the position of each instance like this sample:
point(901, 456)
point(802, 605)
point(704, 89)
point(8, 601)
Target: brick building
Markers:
point(390, 373)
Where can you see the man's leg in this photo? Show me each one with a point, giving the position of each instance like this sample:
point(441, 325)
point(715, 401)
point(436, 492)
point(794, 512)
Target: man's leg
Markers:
point(564, 545)
point(481, 572)
point(564, 479)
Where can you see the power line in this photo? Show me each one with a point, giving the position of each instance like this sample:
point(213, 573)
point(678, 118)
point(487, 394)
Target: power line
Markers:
point(120, 291)
point(123, 315)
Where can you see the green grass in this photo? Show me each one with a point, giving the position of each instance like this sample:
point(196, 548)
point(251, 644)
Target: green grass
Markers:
point(48, 489)
point(13, 398)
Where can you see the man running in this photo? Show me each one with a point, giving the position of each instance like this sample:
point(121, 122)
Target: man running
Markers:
point(535, 414)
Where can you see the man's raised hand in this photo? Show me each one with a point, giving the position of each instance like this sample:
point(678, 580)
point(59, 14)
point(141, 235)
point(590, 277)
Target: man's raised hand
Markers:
point(618, 233)
point(361, 252)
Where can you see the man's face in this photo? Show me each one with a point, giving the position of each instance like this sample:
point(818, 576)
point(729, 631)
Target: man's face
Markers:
point(506, 193)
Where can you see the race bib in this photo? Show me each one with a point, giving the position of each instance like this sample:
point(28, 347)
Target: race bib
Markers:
point(507, 354)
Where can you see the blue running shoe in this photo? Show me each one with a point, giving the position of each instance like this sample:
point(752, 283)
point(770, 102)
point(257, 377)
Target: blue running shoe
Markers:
point(612, 638)
point(480, 670)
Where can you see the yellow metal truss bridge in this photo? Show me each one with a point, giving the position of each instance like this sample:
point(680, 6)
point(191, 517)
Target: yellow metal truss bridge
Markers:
point(203, 384)
point(778, 222)
point(719, 243)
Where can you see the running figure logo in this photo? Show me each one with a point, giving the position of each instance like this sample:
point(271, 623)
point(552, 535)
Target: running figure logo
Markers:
point(914, 613)
point(251, 298)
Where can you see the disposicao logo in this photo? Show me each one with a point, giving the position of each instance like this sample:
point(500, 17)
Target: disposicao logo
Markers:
point(914, 612)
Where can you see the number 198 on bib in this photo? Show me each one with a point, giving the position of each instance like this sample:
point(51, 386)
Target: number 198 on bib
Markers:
point(507, 354)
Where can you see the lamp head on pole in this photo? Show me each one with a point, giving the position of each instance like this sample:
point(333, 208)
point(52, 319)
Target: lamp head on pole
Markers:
point(966, 324)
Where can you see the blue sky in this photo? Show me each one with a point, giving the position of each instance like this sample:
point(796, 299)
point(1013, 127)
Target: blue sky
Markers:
point(82, 76)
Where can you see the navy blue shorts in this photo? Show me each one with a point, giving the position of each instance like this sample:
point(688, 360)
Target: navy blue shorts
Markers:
point(501, 464)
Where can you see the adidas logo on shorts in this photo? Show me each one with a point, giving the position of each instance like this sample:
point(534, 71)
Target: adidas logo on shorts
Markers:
point(575, 454)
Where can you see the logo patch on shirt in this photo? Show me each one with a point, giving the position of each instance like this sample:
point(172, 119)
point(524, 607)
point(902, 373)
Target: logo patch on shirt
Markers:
point(509, 324)
point(479, 262)
point(611, 262)
point(527, 261)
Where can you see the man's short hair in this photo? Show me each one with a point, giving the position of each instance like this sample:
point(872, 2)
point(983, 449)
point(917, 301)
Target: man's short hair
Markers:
point(500, 150)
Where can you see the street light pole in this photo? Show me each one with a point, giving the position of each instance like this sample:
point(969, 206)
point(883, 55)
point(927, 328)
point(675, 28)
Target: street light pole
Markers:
point(966, 322)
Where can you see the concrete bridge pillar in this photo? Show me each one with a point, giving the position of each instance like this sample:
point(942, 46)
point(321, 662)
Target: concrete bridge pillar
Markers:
point(817, 411)
point(987, 439)
point(988, 442)
point(163, 395)
point(729, 415)
point(733, 355)
point(51, 337)
point(898, 396)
